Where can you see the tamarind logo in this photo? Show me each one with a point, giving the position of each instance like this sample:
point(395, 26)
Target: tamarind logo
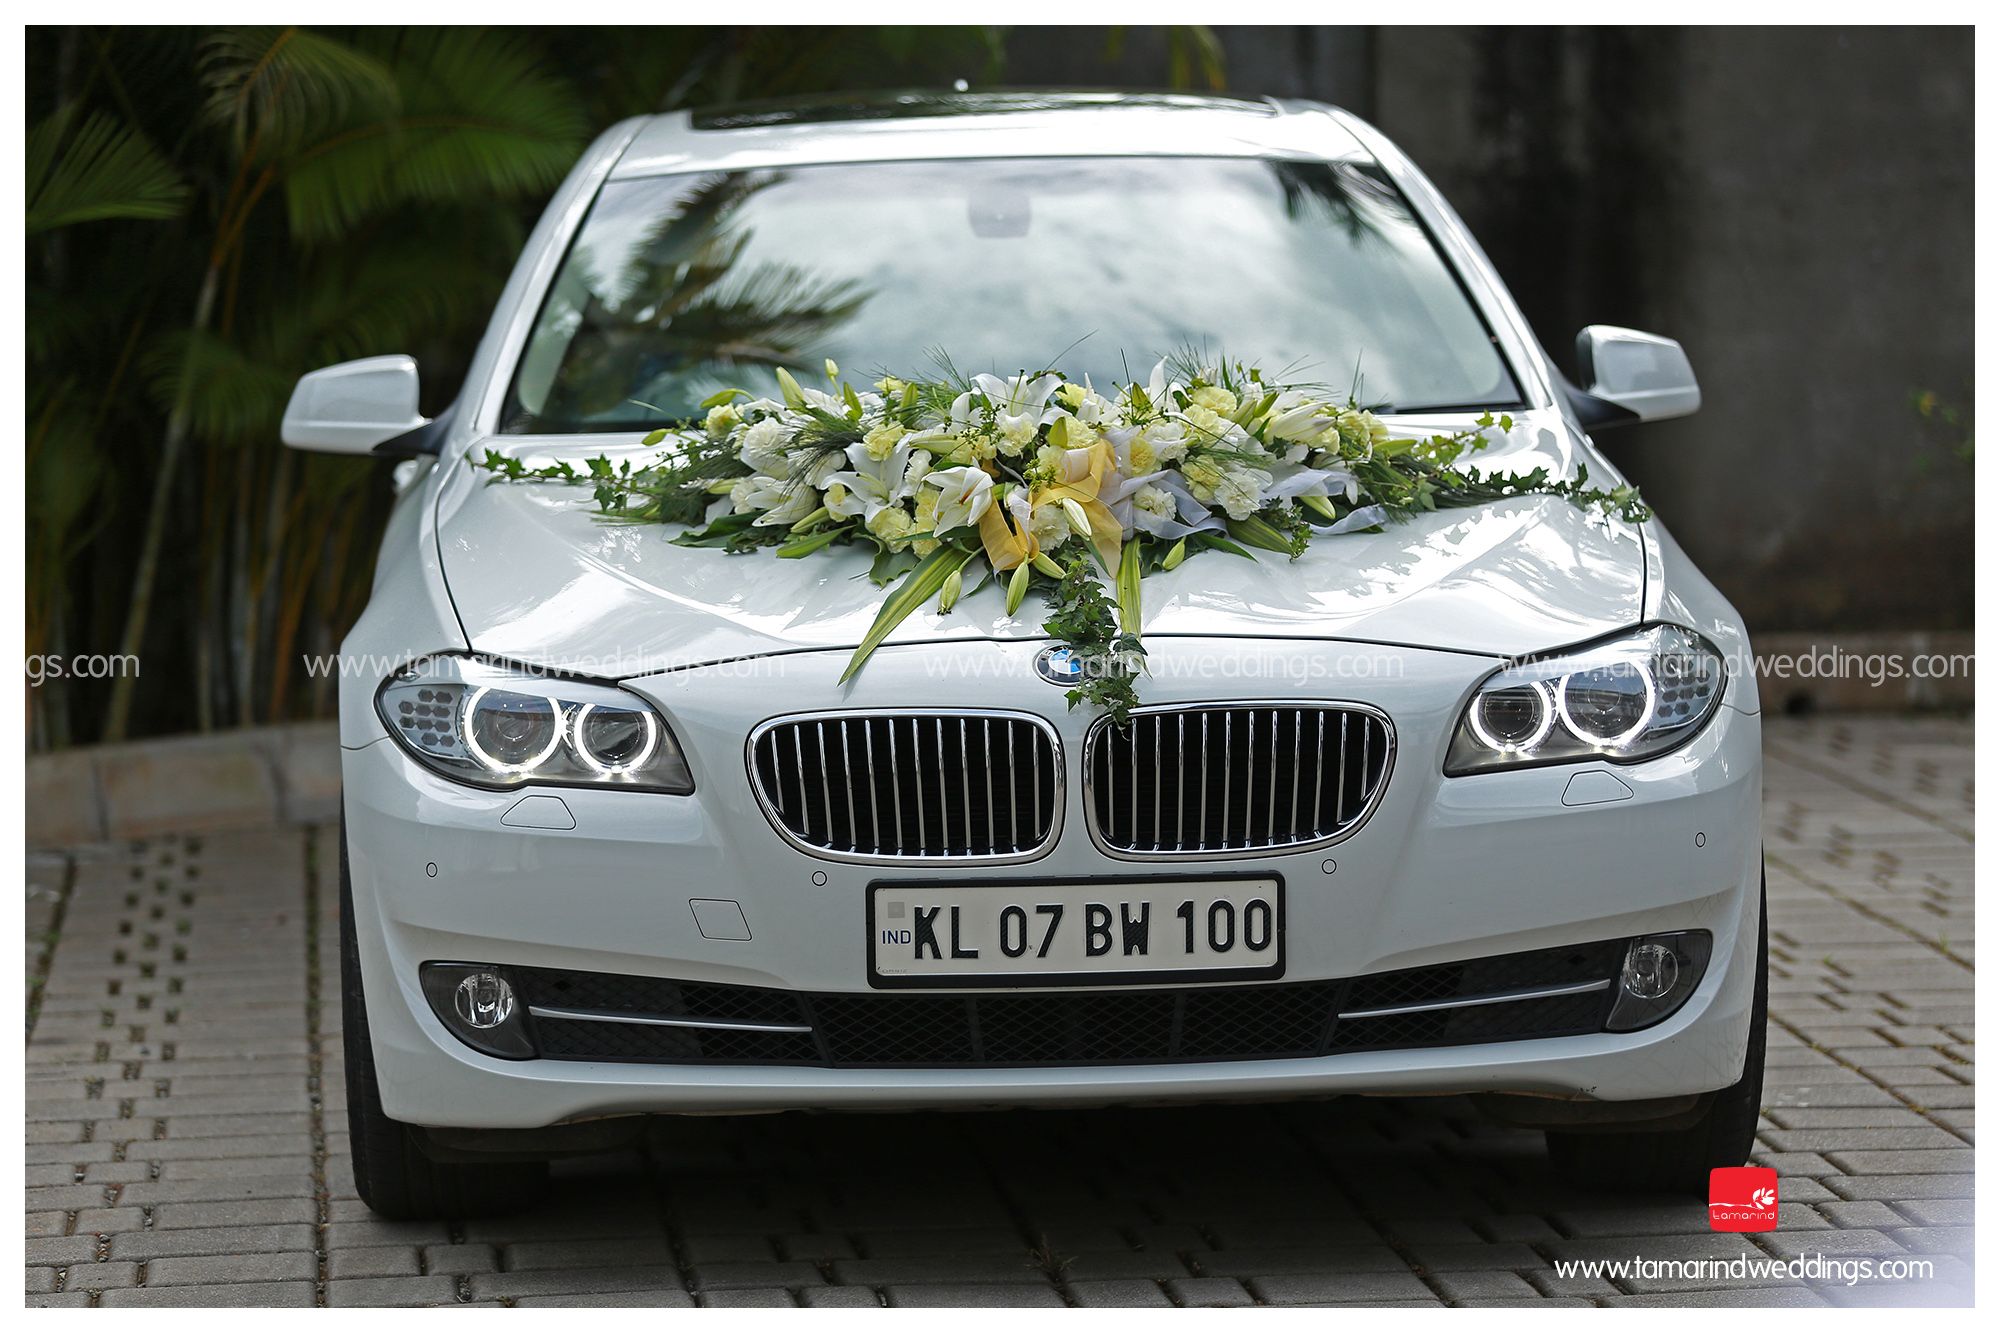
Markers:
point(1743, 1198)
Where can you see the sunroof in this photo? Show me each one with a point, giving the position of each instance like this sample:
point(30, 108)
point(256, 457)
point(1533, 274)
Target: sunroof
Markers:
point(914, 104)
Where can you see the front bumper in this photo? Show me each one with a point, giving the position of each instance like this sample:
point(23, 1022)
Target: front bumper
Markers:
point(1444, 869)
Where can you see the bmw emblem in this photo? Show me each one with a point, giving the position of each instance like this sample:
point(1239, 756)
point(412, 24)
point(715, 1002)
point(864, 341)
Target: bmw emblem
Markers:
point(1059, 664)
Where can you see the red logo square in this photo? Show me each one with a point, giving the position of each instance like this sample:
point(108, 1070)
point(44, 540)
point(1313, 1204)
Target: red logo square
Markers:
point(1743, 1198)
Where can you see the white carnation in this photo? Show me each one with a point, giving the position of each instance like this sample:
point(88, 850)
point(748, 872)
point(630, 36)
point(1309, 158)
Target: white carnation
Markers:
point(763, 447)
point(1050, 526)
point(1169, 441)
point(1154, 501)
point(1240, 492)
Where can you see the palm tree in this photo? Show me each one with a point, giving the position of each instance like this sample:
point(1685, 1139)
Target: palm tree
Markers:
point(346, 131)
point(80, 169)
point(212, 212)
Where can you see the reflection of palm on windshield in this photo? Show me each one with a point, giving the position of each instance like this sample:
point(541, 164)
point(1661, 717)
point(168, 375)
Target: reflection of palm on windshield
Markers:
point(677, 284)
point(684, 303)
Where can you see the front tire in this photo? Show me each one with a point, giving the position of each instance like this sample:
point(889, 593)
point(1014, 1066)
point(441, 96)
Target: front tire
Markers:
point(392, 1173)
point(1678, 1160)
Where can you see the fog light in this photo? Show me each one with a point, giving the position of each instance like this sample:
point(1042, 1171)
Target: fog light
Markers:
point(486, 1001)
point(1659, 974)
point(477, 1003)
point(1650, 972)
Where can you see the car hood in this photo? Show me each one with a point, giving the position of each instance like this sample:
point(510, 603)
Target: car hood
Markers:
point(536, 576)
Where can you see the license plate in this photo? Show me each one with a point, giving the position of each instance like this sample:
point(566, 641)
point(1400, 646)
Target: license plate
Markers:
point(1082, 933)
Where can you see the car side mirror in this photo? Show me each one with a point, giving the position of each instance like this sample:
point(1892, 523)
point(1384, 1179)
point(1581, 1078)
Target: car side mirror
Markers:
point(359, 407)
point(1631, 376)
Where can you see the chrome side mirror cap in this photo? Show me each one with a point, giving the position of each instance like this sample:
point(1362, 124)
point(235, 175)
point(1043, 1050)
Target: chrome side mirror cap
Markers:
point(355, 406)
point(1643, 374)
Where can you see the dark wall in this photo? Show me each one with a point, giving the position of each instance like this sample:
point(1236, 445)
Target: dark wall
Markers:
point(1794, 205)
point(1797, 209)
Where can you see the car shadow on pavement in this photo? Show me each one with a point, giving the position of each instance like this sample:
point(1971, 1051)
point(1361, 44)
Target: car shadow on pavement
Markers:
point(1354, 1199)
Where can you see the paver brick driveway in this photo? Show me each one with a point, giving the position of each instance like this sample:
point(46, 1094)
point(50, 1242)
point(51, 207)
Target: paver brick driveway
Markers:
point(187, 1138)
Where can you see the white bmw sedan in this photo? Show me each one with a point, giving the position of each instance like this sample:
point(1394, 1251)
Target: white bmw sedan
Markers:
point(1464, 804)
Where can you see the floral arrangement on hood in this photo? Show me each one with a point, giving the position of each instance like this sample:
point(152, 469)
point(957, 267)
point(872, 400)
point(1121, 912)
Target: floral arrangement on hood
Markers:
point(1039, 479)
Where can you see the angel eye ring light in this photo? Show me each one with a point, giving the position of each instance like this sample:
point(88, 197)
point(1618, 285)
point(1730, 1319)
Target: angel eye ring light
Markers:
point(479, 751)
point(589, 756)
point(1623, 738)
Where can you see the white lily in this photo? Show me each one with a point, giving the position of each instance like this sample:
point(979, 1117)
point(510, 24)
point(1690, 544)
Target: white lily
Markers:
point(1020, 404)
point(1291, 480)
point(1297, 417)
point(1092, 408)
point(784, 501)
point(967, 495)
point(1141, 449)
point(869, 485)
point(824, 401)
point(1159, 389)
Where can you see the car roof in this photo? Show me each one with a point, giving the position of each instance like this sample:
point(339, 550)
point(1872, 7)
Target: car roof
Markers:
point(920, 126)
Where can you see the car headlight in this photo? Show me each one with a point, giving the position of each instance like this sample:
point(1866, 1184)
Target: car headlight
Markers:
point(498, 726)
point(1626, 699)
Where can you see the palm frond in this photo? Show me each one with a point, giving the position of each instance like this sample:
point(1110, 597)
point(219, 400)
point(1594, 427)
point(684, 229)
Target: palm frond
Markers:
point(104, 170)
point(66, 464)
point(479, 118)
point(75, 327)
point(366, 306)
point(278, 89)
point(1195, 56)
point(232, 396)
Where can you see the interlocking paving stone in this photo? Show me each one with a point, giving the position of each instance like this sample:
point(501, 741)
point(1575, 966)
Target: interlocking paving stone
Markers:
point(156, 1244)
point(935, 1268)
point(186, 1138)
point(1466, 1258)
point(1860, 1214)
point(1862, 1163)
point(233, 1293)
point(374, 1261)
point(814, 1247)
point(1330, 1259)
point(1107, 1264)
point(1898, 1189)
point(1934, 1240)
point(736, 1249)
point(713, 1277)
point(1316, 1288)
point(1482, 1286)
point(460, 1259)
point(746, 1298)
point(392, 1291)
point(1937, 1212)
point(1727, 1297)
point(992, 1295)
point(840, 1298)
point(1858, 1243)
point(612, 1253)
point(97, 1277)
point(191, 1270)
point(1210, 1291)
point(648, 1297)
point(555, 1281)
point(1117, 1294)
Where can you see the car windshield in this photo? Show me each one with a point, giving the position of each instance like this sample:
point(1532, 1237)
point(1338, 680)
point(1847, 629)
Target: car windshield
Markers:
point(1316, 271)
